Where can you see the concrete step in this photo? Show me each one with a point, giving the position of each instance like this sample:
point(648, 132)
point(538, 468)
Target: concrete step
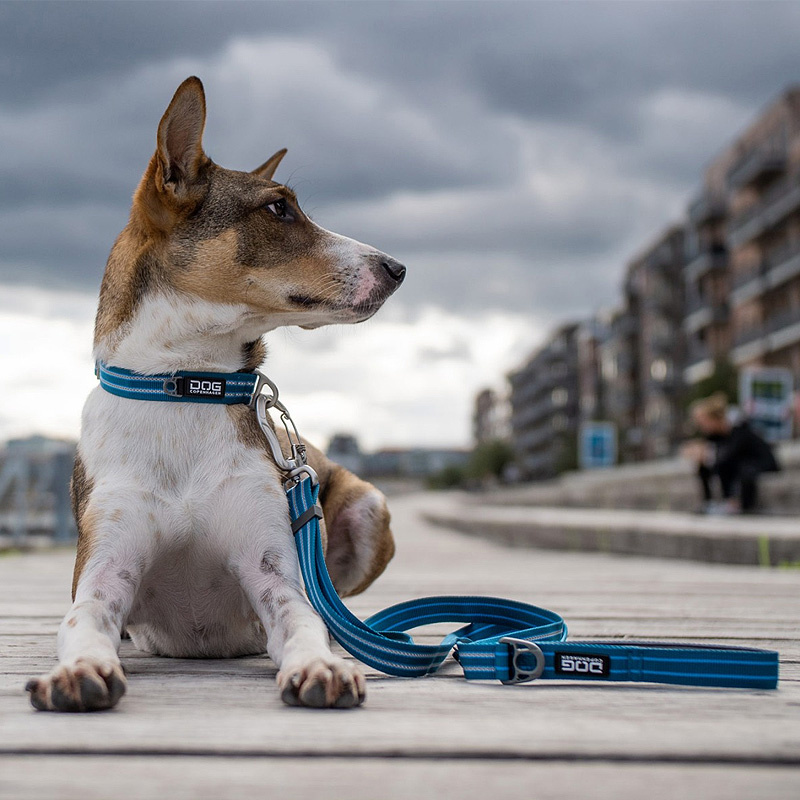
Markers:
point(669, 485)
point(755, 540)
point(779, 493)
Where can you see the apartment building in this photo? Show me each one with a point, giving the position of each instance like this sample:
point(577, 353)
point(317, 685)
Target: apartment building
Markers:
point(618, 370)
point(655, 297)
point(545, 406)
point(591, 388)
point(763, 186)
point(707, 275)
point(490, 417)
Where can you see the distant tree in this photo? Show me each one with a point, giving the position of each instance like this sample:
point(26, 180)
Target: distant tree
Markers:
point(724, 378)
point(567, 459)
point(490, 459)
point(448, 478)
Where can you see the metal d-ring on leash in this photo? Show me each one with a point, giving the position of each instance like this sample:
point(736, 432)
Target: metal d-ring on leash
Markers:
point(501, 639)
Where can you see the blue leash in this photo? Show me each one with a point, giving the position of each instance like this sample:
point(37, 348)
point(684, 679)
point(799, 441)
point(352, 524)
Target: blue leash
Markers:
point(504, 639)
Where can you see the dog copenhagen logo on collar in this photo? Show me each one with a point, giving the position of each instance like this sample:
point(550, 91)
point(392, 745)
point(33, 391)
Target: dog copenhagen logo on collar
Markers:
point(194, 387)
point(204, 388)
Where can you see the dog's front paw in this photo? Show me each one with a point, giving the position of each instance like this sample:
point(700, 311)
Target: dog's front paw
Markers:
point(86, 685)
point(323, 683)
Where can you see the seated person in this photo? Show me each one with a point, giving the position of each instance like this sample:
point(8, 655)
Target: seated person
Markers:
point(732, 452)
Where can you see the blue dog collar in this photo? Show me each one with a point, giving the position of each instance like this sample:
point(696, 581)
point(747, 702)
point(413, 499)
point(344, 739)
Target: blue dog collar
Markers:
point(228, 388)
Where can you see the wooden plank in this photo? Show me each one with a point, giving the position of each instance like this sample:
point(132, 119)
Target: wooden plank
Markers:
point(178, 707)
point(193, 778)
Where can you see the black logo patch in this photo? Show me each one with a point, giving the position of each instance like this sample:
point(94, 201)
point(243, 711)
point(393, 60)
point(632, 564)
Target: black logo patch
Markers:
point(586, 665)
point(203, 387)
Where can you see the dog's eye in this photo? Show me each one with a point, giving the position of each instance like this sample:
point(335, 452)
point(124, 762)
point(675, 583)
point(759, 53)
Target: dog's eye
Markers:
point(280, 208)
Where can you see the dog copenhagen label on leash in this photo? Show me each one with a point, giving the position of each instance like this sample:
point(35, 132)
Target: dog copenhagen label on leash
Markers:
point(581, 664)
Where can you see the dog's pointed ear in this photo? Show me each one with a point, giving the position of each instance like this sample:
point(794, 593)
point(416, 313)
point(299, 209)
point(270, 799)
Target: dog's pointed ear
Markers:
point(180, 136)
point(267, 169)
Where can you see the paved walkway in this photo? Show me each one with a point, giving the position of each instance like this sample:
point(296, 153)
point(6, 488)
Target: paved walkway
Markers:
point(217, 729)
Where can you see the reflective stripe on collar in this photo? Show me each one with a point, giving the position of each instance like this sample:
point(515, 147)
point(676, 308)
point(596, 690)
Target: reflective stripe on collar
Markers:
point(227, 388)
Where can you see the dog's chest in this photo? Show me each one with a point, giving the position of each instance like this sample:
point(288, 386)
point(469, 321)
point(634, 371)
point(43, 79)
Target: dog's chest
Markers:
point(182, 453)
point(196, 493)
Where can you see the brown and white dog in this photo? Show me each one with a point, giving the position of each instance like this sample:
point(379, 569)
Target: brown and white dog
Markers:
point(185, 538)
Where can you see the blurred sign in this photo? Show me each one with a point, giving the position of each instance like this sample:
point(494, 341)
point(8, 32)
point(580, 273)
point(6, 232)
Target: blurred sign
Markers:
point(597, 445)
point(766, 398)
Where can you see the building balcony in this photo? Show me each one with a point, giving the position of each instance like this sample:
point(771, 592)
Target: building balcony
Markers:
point(625, 326)
point(783, 328)
point(531, 414)
point(702, 312)
point(782, 264)
point(662, 258)
point(523, 395)
point(663, 345)
point(707, 208)
point(777, 267)
point(773, 207)
point(748, 283)
point(698, 318)
point(666, 386)
point(779, 330)
point(533, 440)
point(696, 302)
point(753, 272)
point(757, 167)
point(697, 351)
point(748, 336)
point(661, 299)
point(713, 257)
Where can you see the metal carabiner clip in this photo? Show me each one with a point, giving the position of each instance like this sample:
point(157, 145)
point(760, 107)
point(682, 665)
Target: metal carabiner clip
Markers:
point(293, 466)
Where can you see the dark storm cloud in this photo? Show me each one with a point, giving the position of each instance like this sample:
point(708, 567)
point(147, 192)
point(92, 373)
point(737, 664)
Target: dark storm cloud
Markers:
point(513, 153)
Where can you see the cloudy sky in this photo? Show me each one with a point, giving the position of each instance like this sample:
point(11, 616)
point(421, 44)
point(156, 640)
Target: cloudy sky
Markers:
point(513, 155)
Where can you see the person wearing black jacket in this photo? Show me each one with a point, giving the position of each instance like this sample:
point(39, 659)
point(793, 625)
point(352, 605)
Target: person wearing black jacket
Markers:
point(737, 455)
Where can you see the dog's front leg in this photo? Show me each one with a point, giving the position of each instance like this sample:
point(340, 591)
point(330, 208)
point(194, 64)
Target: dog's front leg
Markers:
point(89, 675)
point(297, 639)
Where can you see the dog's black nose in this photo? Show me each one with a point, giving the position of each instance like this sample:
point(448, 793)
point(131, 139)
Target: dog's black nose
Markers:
point(395, 269)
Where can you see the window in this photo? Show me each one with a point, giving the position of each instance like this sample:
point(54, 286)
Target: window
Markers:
point(659, 369)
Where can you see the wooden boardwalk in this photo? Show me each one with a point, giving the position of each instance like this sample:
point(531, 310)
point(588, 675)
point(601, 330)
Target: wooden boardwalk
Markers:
point(217, 729)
